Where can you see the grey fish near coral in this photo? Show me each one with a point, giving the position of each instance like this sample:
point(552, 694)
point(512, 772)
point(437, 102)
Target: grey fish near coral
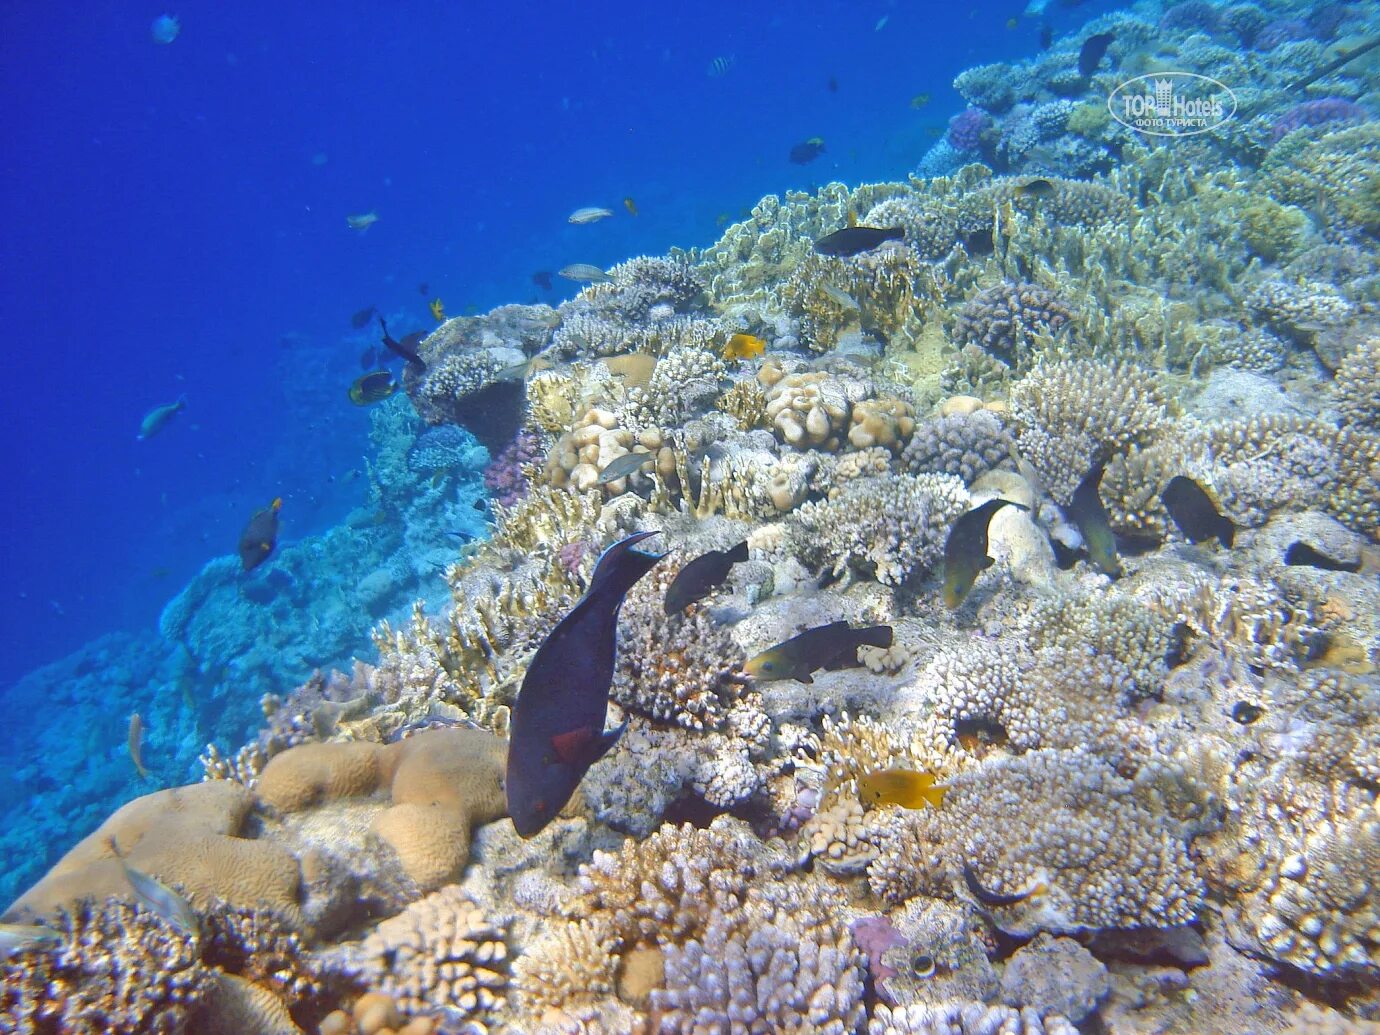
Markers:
point(361, 319)
point(965, 551)
point(159, 417)
point(702, 576)
point(991, 898)
point(830, 646)
point(158, 898)
point(558, 718)
point(260, 536)
point(854, 240)
point(136, 744)
point(622, 466)
point(584, 273)
point(1088, 513)
point(1194, 512)
point(19, 937)
point(807, 151)
point(407, 347)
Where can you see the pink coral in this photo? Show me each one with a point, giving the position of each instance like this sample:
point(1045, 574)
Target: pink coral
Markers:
point(503, 477)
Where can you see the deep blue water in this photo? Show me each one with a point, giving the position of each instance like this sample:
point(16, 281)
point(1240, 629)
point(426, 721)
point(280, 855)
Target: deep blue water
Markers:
point(174, 222)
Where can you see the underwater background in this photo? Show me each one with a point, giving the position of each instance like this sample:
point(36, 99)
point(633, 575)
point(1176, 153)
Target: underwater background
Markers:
point(274, 571)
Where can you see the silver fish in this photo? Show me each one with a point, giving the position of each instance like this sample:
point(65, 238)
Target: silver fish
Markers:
point(843, 299)
point(160, 899)
point(720, 65)
point(588, 214)
point(622, 466)
point(159, 417)
point(585, 273)
point(18, 937)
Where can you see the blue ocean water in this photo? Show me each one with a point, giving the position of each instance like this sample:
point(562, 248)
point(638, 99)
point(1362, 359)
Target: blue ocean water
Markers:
point(175, 225)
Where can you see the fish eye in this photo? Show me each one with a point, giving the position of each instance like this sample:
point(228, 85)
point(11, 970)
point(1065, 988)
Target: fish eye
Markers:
point(922, 964)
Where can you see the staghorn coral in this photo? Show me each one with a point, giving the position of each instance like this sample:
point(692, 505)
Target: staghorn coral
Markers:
point(1072, 414)
point(889, 528)
point(1007, 319)
point(1358, 386)
point(570, 967)
point(442, 951)
point(1248, 617)
point(746, 403)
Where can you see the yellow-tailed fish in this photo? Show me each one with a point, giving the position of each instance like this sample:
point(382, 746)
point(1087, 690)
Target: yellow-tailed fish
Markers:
point(438, 309)
point(630, 205)
point(905, 787)
point(18, 937)
point(136, 744)
point(363, 221)
point(744, 346)
point(158, 898)
point(965, 551)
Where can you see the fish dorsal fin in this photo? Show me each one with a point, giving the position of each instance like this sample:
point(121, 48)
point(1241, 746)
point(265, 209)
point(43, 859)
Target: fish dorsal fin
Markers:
point(987, 562)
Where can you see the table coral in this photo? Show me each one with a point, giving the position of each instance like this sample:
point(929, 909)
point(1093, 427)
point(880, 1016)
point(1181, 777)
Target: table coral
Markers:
point(890, 528)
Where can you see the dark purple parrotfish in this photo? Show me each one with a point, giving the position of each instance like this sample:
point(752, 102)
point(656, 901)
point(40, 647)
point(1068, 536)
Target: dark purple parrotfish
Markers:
point(557, 729)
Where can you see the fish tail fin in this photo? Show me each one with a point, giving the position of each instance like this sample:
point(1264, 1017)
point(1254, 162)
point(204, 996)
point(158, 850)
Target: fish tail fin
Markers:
point(1226, 533)
point(875, 636)
point(739, 553)
point(606, 740)
point(182, 401)
point(934, 795)
point(621, 566)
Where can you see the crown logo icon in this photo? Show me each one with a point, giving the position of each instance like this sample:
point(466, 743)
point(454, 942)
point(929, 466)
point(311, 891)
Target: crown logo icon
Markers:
point(1164, 94)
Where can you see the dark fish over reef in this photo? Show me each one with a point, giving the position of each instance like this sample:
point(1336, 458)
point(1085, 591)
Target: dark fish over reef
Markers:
point(1046, 36)
point(854, 240)
point(361, 319)
point(807, 151)
point(1087, 512)
point(557, 727)
point(375, 386)
point(1194, 512)
point(827, 646)
point(542, 278)
point(159, 417)
point(965, 551)
point(1035, 189)
point(369, 358)
point(989, 898)
point(260, 536)
point(1301, 554)
point(407, 348)
point(699, 577)
point(1091, 53)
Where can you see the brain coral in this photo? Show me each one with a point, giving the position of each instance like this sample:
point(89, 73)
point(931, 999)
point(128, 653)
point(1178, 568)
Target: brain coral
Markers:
point(1005, 318)
point(890, 528)
point(442, 951)
point(1072, 414)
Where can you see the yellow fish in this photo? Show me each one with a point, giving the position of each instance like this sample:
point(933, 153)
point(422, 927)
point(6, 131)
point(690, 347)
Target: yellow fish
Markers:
point(904, 787)
point(919, 101)
point(744, 346)
point(630, 205)
point(438, 309)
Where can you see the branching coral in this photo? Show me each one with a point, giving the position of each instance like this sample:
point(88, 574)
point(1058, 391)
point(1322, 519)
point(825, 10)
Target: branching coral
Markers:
point(965, 445)
point(890, 528)
point(1072, 414)
point(1007, 319)
point(1358, 386)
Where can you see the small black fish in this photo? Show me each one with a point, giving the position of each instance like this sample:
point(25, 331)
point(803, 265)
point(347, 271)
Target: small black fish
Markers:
point(557, 722)
point(699, 577)
point(1046, 36)
point(373, 387)
point(622, 466)
point(807, 151)
point(854, 240)
point(407, 348)
point(965, 550)
point(827, 646)
point(1088, 513)
point(1194, 512)
point(424, 288)
point(542, 278)
point(362, 318)
point(989, 898)
point(369, 358)
point(260, 536)
point(1300, 554)
point(833, 85)
point(1093, 50)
